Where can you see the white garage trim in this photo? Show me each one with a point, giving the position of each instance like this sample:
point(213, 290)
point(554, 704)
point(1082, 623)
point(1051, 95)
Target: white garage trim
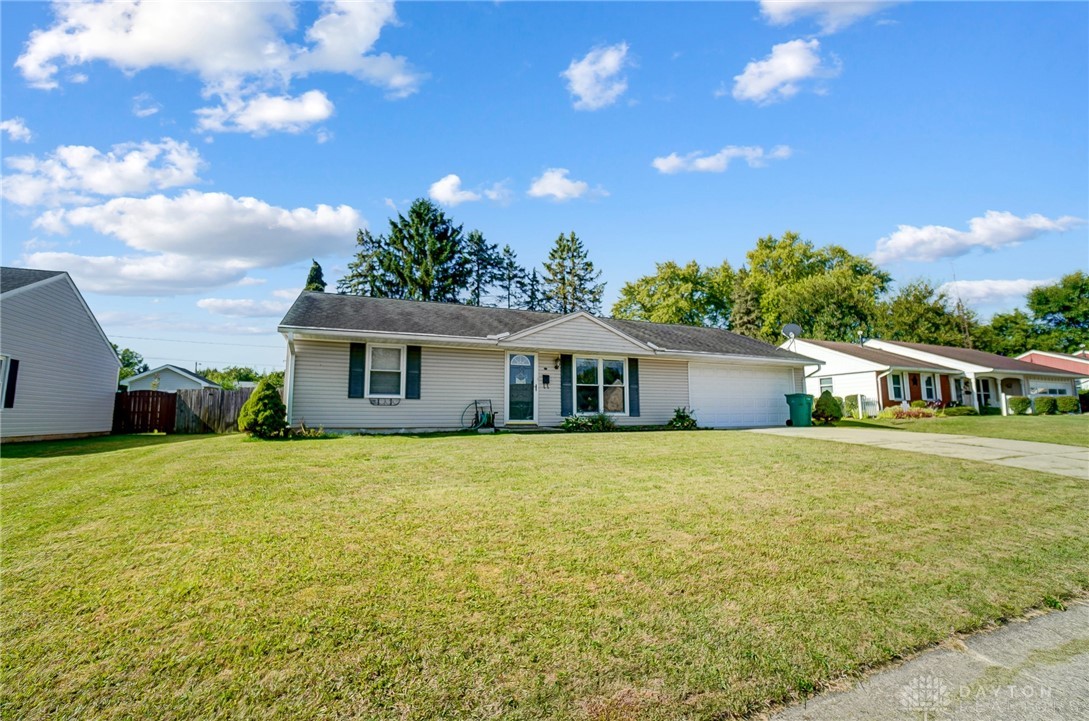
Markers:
point(726, 395)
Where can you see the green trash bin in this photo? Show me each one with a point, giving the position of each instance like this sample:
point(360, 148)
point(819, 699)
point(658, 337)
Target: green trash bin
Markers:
point(801, 409)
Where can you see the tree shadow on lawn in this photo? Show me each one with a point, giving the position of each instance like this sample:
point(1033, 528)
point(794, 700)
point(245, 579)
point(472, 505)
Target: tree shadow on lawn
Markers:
point(90, 446)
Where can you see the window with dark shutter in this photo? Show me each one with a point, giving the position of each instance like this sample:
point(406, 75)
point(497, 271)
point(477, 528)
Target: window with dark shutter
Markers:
point(357, 369)
point(412, 371)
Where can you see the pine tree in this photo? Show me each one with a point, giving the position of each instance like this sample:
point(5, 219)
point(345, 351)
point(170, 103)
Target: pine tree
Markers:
point(424, 255)
point(365, 276)
point(510, 280)
point(570, 281)
point(533, 297)
point(484, 266)
point(315, 281)
point(745, 315)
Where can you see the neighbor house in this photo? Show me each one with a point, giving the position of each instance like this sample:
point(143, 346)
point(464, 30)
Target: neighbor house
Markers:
point(1077, 363)
point(369, 363)
point(58, 370)
point(167, 378)
point(879, 378)
point(990, 380)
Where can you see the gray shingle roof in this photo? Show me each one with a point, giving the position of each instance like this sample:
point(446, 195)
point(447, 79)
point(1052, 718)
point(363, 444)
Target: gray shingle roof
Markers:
point(14, 278)
point(360, 313)
point(982, 358)
point(881, 357)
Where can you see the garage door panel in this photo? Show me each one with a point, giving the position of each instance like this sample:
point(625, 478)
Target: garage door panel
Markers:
point(727, 396)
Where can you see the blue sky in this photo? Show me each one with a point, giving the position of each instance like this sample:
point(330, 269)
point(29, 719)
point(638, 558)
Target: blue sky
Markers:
point(185, 162)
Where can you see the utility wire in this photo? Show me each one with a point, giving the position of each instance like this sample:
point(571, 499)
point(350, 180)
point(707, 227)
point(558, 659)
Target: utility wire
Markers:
point(199, 342)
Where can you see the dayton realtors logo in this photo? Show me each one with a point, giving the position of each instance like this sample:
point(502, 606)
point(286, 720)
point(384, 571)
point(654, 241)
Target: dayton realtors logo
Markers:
point(925, 695)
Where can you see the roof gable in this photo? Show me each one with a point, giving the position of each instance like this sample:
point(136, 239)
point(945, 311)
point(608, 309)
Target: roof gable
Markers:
point(12, 279)
point(975, 358)
point(880, 358)
point(169, 367)
point(577, 331)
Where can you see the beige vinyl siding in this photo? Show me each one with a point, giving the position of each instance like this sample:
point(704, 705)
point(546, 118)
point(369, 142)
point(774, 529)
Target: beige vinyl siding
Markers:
point(169, 381)
point(663, 386)
point(450, 379)
point(578, 334)
point(67, 377)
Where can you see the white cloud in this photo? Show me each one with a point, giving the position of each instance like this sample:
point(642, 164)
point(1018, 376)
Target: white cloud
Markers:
point(699, 162)
point(287, 293)
point(156, 275)
point(215, 227)
point(991, 292)
point(778, 76)
point(554, 183)
point(596, 81)
point(75, 173)
point(244, 307)
point(237, 49)
point(194, 242)
point(499, 192)
point(996, 229)
point(250, 280)
point(16, 129)
point(144, 106)
point(262, 113)
point(448, 191)
point(831, 15)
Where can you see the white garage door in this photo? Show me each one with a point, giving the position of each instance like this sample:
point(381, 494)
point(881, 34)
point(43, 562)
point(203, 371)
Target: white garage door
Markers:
point(731, 396)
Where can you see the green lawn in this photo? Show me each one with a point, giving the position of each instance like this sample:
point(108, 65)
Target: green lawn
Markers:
point(600, 576)
point(1071, 430)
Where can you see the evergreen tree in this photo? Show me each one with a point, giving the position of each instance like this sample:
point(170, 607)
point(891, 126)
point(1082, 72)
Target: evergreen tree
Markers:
point(745, 307)
point(424, 255)
point(533, 293)
point(263, 414)
point(510, 279)
point(315, 281)
point(570, 281)
point(365, 275)
point(484, 266)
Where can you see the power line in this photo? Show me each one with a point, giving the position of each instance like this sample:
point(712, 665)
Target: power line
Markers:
point(205, 361)
point(199, 342)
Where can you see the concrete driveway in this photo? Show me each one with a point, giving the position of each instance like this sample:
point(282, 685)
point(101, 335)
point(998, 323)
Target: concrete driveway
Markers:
point(1047, 457)
point(1034, 669)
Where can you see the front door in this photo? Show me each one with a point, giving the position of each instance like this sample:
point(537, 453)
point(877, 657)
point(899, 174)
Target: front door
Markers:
point(521, 388)
point(983, 390)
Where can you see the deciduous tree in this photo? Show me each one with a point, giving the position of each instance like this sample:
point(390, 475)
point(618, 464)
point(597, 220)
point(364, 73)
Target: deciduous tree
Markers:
point(688, 295)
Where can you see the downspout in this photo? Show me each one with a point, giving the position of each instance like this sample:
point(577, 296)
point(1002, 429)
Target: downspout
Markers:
point(289, 378)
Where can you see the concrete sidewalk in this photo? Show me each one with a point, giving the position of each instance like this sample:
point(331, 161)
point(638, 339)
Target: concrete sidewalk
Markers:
point(1047, 457)
point(1029, 670)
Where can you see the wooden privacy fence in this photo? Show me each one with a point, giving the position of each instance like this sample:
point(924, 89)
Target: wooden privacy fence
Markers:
point(209, 410)
point(144, 412)
point(197, 410)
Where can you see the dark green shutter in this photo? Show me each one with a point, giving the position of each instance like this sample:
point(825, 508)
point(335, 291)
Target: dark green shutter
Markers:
point(412, 369)
point(566, 389)
point(357, 369)
point(9, 389)
point(633, 387)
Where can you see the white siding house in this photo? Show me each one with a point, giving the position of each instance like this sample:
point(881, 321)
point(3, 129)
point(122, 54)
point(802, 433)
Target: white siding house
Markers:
point(58, 371)
point(167, 378)
point(358, 363)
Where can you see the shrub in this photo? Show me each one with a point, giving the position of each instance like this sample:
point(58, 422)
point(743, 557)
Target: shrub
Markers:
point(682, 420)
point(900, 413)
point(577, 424)
point(827, 409)
point(1045, 406)
point(1020, 405)
point(851, 407)
point(918, 404)
point(1068, 404)
point(581, 424)
point(953, 411)
point(1083, 400)
point(263, 415)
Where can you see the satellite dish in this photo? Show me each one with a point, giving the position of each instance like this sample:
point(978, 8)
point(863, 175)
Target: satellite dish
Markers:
point(792, 330)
